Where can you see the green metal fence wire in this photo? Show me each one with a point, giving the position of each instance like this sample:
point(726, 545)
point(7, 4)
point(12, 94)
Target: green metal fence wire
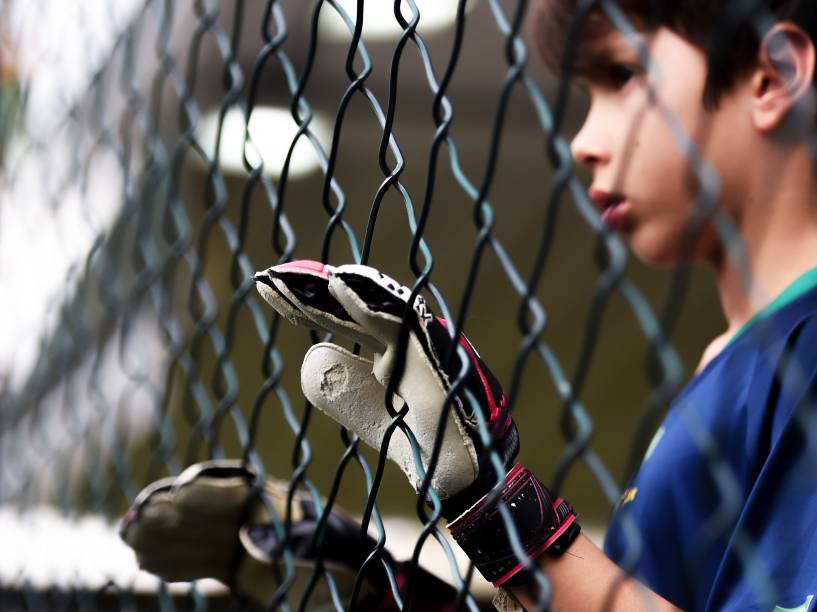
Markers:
point(154, 324)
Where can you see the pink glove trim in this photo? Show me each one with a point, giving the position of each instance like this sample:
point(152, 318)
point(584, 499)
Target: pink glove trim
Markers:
point(543, 523)
point(303, 265)
point(496, 411)
point(537, 552)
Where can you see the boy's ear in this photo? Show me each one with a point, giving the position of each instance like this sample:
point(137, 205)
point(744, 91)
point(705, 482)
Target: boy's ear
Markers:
point(784, 77)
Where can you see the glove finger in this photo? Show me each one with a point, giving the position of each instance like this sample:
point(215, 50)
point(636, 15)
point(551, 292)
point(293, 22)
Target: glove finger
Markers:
point(299, 291)
point(162, 521)
point(341, 385)
point(378, 303)
point(280, 302)
point(375, 301)
point(220, 488)
point(214, 490)
point(176, 565)
point(161, 534)
point(191, 543)
point(152, 512)
point(158, 488)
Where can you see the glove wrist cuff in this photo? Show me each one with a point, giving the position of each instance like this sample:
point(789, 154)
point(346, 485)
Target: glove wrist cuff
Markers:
point(543, 523)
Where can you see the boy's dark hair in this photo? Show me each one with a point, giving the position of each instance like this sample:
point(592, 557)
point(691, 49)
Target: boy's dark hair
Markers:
point(729, 31)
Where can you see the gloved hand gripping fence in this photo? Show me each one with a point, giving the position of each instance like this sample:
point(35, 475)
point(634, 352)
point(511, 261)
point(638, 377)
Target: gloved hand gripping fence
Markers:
point(368, 307)
point(211, 522)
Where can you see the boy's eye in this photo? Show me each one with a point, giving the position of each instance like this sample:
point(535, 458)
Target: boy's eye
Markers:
point(618, 76)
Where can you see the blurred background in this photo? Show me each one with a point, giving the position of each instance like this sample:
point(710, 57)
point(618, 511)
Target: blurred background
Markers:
point(134, 207)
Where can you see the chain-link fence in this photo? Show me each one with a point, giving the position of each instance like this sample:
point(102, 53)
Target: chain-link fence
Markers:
point(155, 154)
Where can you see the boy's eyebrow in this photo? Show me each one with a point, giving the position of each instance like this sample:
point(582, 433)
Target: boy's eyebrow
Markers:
point(594, 59)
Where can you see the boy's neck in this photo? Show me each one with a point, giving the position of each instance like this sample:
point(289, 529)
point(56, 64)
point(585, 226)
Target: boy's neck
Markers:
point(778, 222)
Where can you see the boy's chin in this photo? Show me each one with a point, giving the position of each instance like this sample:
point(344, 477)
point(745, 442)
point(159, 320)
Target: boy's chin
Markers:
point(669, 251)
point(660, 253)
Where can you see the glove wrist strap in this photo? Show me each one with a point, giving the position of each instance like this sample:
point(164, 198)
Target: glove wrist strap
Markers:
point(543, 523)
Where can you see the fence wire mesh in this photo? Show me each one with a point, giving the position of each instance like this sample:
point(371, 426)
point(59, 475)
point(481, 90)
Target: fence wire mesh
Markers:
point(154, 154)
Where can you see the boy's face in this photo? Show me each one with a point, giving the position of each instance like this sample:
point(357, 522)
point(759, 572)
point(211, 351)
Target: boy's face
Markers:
point(633, 140)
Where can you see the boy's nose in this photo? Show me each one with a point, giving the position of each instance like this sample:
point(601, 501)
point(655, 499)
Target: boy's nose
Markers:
point(588, 153)
point(591, 146)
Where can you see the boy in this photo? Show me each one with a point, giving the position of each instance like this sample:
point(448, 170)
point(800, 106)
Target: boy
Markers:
point(723, 512)
point(751, 390)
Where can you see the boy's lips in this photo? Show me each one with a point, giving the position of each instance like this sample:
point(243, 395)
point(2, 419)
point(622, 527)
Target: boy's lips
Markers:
point(615, 208)
point(616, 216)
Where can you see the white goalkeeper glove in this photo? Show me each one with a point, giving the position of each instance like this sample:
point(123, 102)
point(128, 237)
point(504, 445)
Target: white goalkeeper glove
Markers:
point(368, 307)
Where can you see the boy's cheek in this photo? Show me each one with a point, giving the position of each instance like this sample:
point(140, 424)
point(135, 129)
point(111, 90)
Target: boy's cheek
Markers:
point(663, 239)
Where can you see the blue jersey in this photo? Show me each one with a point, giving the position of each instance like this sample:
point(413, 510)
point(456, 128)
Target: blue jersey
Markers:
point(722, 514)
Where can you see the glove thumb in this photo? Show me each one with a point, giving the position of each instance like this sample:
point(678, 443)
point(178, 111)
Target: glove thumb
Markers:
point(342, 385)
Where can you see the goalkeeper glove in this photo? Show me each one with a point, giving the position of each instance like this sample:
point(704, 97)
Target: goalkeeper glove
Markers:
point(369, 307)
point(210, 522)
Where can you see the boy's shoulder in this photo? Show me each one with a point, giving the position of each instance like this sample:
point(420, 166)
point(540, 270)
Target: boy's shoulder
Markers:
point(775, 330)
point(786, 329)
point(714, 349)
point(749, 384)
point(749, 392)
